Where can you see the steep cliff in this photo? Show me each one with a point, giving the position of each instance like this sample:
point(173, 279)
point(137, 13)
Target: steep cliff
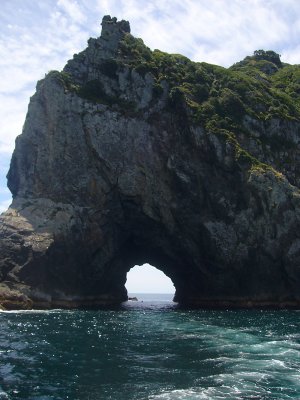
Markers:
point(130, 156)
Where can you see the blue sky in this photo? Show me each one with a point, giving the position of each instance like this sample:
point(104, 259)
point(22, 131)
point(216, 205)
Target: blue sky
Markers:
point(38, 36)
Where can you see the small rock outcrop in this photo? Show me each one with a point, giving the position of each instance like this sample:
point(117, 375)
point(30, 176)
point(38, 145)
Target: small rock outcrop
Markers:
point(130, 156)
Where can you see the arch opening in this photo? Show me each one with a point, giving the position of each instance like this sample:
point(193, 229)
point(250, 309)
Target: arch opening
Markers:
point(148, 279)
point(161, 256)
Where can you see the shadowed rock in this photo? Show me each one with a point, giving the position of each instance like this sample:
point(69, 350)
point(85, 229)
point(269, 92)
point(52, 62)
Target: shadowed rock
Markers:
point(121, 162)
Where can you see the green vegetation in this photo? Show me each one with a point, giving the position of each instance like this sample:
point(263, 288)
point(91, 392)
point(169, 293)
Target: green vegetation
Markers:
point(65, 79)
point(93, 91)
point(109, 68)
point(269, 56)
point(260, 86)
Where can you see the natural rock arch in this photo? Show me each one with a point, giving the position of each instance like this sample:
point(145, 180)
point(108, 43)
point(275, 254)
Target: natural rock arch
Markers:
point(114, 169)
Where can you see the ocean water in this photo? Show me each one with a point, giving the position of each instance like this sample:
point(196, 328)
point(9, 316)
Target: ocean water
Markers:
point(149, 349)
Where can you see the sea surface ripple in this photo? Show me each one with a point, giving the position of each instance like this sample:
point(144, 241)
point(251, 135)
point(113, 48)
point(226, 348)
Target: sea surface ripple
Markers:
point(149, 350)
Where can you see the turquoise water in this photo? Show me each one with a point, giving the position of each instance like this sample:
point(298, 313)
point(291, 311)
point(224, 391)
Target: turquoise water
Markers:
point(152, 350)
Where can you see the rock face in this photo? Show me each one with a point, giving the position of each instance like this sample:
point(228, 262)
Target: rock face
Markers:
point(131, 156)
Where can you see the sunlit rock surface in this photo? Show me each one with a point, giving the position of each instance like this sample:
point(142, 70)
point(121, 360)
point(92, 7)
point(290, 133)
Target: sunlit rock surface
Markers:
point(131, 156)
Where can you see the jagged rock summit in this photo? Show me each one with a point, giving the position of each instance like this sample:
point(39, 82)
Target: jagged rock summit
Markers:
point(130, 155)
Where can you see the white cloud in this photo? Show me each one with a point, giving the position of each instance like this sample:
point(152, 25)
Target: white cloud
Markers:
point(216, 31)
point(27, 52)
point(4, 191)
point(4, 204)
point(12, 116)
point(292, 55)
point(72, 9)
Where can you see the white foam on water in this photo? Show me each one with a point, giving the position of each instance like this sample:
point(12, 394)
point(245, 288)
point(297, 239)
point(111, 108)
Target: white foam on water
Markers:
point(3, 395)
point(53, 311)
point(212, 393)
point(183, 394)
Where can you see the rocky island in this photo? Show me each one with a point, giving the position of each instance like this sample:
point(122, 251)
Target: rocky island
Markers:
point(130, 156)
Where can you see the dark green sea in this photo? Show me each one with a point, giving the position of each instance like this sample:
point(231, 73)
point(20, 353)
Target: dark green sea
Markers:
point(149, 349)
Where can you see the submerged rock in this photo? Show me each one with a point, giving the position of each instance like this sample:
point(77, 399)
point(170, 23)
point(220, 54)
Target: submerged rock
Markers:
point(130, 156)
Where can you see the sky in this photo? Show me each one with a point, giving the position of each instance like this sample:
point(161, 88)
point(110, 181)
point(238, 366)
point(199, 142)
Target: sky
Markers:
point(148, 279)
point(37, 36)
